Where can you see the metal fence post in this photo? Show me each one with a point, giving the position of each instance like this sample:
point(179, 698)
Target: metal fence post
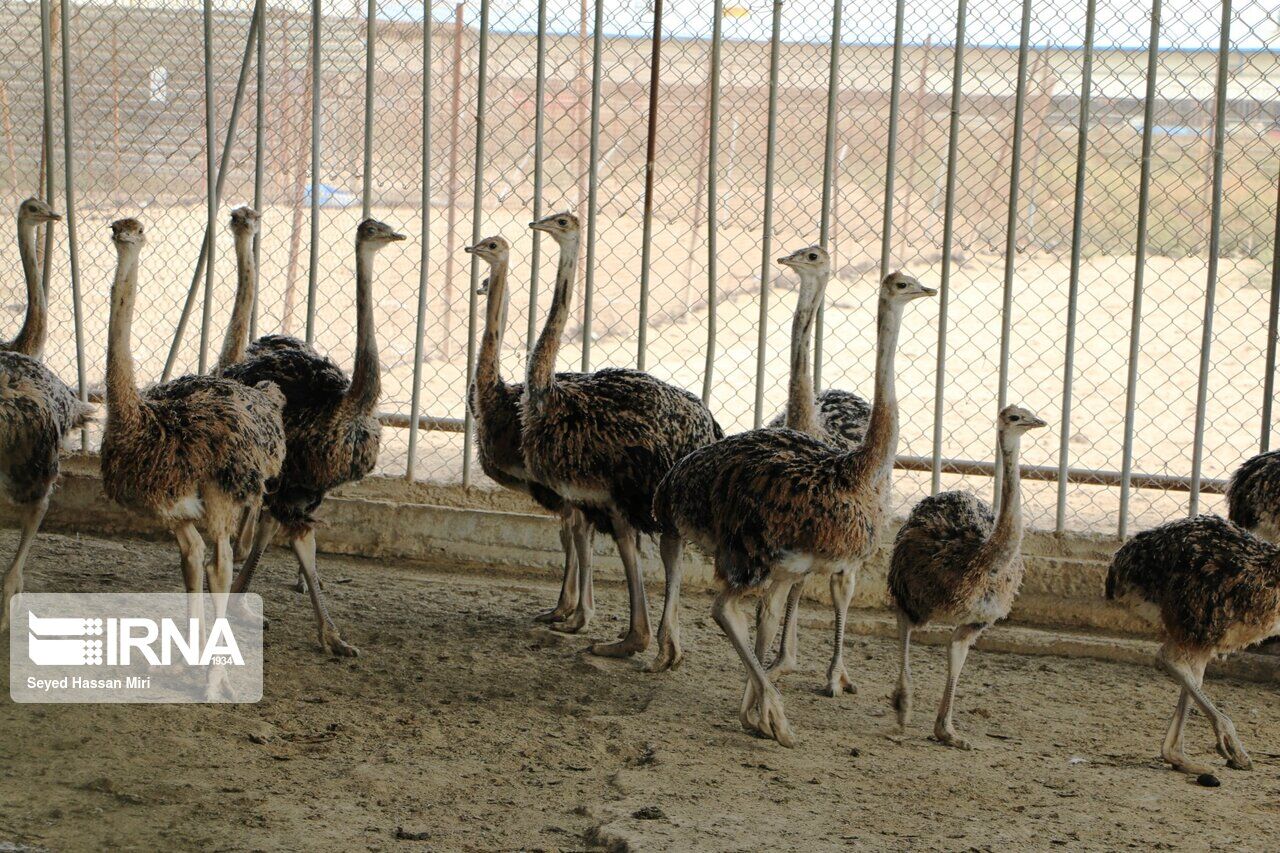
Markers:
point(593, 169)
point(1269, 383)
point(651, 155)
point(539, 116)
point(370, 67)
point(69, 186)
point(317, 83)
point(477, 212)
point(1215, 241)
point(46, 71)
point(948, 227)
point(766, 239)
point(1139, 270)
point(1077, 238)
point(891, 144)
point(828, 175)
point(424, 259)
point(259, 164)
point(211, 183)
point(713, 159)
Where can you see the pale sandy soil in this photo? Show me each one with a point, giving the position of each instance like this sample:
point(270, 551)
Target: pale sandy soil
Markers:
point(462, 722)
point(677, 338)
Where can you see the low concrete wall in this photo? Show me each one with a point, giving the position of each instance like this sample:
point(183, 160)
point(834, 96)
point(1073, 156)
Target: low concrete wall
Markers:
point(487, 530)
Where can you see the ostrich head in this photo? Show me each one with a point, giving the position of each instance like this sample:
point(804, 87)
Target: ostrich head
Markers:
point(376, 234)
point(244, 220)
point(810, 258)
point(560, 226)
point(492, 250)
point(35, 210)
point(902, 288)
point(127, 232)
point(1017, 420)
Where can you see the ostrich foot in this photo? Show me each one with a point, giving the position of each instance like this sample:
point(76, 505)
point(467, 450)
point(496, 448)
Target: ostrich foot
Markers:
point(769, 720)
point(575, 621)
point(301, 585)
point(335, 645)
point(632, 643)
point(902, 706)
point(1230, 748)
point(1178, 760)
point(946, 735)
point(559, 613)
point(218, 686)
point(669, 656)
point(782, 666)
point(838, 682)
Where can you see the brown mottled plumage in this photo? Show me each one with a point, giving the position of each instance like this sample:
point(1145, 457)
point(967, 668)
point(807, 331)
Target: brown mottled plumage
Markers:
point(495, 406)
point(330, 424)
point(1212, 587)
point(1253, 496)
point(774, 506)
point(954, 560)
point(604, 441)
point(196, 449)
point(839, 418)
point(37, 410)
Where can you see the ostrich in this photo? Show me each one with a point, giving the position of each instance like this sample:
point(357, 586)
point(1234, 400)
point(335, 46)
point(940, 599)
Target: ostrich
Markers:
point(954, 559)
point(775, 505)
point(604, 440)
point(36, 409)
point(496, 407)
point(196, 449)
point(330, 425)
point(836, 417)
point(1253, 496)
point(1213, 587)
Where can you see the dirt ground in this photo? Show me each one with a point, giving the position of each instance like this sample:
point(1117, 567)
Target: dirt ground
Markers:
point(463, 727)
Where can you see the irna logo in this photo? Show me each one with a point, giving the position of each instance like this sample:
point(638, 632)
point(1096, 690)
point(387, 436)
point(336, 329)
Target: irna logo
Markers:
point(71, 641)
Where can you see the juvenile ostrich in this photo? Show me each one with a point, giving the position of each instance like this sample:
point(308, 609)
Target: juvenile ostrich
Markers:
point(37, 410)
point(330, 424)
point(1253, 496)
point(604, 440)
point(774, 506)
point(495, 405)
point(839, 418)
point(244, 225)
point(1213, 588)
point(955, 560)
point(196, 449)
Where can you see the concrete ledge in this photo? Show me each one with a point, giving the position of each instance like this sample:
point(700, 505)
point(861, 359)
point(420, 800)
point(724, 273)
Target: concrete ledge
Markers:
point(491, 530)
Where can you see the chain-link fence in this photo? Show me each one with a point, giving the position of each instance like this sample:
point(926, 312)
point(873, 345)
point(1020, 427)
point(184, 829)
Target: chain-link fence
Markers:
point(1088, 196)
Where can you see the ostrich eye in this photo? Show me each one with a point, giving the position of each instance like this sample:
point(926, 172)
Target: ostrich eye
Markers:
point(563, 222)
point(813, 256)
point(1015, 417)
point(493, 245)
point(901, 285)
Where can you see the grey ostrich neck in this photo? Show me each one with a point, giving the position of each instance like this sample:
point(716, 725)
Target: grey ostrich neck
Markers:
point(30, 339)
point(487, 376)
point(123, 400)
point(802, 409)
point(366, 377)
point(1006, 538)
point(873, 459)
point(542, 366)
point(237, 339)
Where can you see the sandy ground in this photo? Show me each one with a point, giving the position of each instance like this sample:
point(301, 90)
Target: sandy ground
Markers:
point(462, 727)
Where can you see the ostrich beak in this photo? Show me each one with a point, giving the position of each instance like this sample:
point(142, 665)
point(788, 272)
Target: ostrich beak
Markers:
point(470, 250)
point(1036, 423)
point(53, 217)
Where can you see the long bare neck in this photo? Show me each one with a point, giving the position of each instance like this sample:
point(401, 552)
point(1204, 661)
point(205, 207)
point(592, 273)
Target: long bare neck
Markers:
point(874, 458)
point(1007, 535)
point(237, 339)
point(542, 366)
point(123, 400)
point(366, 375)
point(802, 409)
point(31, 337)
point(488, 376)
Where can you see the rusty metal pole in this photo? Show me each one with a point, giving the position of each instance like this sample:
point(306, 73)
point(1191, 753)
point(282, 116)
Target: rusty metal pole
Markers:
point(651, 155)
point(451, 213)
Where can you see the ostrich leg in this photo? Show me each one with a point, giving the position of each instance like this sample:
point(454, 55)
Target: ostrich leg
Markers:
point(838, 681)
point(568, 601)
point(637, 637)
point(669, 652)
point(961, 640)
point(304, 547)
point(1187, 669)
point(771, 719)
point(32, 515)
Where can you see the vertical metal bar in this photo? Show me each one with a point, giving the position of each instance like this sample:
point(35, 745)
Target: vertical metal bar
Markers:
point(1011, 222)
point(891, 144)
point(211, 183)
point(651, 155)
point(1139, 269)
point(1077, 238)
point(370, 66)
point(68, 183)
point(828, 174)
point(227, 146)
point(1215, 242)
point(313, 267)
point(948, 227)
point(477, 212)
point(46, 70)
point(593, 182)
point(415, 403)
point(713, 159)
point(451, 212)
point(535, 256)
point(259, 164)
point(766, 254)
point(1269, 384)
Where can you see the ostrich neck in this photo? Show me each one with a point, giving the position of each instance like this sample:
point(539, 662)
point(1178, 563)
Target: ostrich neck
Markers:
point(874, 458)
point(366, 377)
point(487, 376)
point(802, 409)
point(30, 339)
point(237, 339)
point(1007, 535)
point(123, 399)
point(542, 366)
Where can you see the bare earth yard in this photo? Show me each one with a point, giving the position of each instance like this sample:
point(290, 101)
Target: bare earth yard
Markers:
point(463, 727)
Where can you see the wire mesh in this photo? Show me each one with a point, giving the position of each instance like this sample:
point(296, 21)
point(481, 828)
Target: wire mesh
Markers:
point(137, 99)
